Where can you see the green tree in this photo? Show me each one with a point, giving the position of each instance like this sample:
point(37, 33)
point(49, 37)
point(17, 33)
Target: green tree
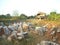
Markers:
point(31, 17)
point(2, 16)
point(52, 16)
point(23, 17)
point(8, 16)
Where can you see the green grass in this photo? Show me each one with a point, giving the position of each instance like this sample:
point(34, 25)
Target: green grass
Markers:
point(25, 41)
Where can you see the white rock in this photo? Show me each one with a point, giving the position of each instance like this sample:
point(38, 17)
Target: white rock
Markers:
point(19, 38)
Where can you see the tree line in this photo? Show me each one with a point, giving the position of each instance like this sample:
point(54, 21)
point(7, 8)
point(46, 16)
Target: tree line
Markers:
point(52, 16)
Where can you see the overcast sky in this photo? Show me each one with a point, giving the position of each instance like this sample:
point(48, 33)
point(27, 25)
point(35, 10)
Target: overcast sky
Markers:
point(29, 7)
